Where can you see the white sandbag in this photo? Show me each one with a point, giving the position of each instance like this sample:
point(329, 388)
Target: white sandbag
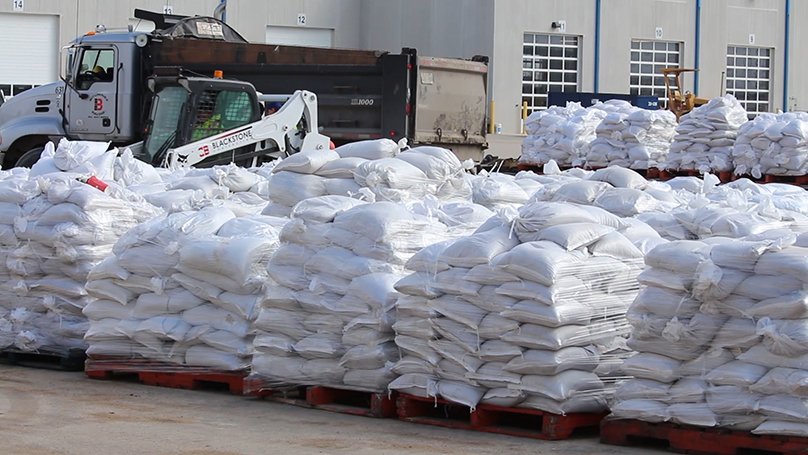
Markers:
point(620, 177)
point(415, 384)
point(542, 261)
point(72, 154)
point(641, 409)
point(289, 188)
point(652, 366)
point(369, 150)
point(206, 356)
point(391, 173)
point(306, 162)
point(239, 259)
point(562, 386)
point(460, 393)
point(323, 209)
point(340, 168)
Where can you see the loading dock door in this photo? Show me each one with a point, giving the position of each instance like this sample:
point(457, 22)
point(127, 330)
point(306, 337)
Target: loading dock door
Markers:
point(29, 52)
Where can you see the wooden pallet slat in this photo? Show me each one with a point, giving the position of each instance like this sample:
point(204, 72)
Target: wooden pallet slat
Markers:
point(529, 423)
point(165, 375)
point(343, 401)
point(789, 179)
point(697, 440)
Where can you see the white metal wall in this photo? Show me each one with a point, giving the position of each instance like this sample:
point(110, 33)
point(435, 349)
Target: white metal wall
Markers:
point(300, 36)
point(445, 28)
point(251, 17)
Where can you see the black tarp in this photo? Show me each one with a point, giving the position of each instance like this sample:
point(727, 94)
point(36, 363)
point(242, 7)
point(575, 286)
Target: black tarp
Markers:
point(199, 27)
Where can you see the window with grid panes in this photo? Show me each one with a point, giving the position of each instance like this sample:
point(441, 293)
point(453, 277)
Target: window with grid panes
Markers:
point(549, 64)
point(749, 77)
point(647, 60)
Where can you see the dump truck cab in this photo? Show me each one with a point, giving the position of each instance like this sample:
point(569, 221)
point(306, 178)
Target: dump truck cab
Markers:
point(102, 94)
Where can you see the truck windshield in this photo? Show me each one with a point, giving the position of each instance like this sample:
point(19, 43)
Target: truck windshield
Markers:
point(164, 119)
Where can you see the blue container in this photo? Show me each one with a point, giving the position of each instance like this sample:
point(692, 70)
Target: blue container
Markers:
point(587, 99)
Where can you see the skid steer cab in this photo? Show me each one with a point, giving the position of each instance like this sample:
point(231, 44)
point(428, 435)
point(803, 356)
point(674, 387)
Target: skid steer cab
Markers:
point(202, 122)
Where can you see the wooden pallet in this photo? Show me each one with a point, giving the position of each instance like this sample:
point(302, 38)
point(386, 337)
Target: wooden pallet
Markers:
point(72, 360)
point(353, 402)
point(539, 168)
point(167, 375)
point(528, 423)
point(697, 440)
point(790, 179)
point(723, 176)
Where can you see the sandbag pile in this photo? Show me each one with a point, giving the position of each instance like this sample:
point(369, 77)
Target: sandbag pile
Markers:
point(632, 137)
point(772, 144)
point(328, 322)
point(624, 193)
point(527, 312)
point(63, 228)
point(720, 330)
point(501, 191)
point(388, 170)
point(244, 192)
point(561, 134)
point(705, 137)
point(182, 289)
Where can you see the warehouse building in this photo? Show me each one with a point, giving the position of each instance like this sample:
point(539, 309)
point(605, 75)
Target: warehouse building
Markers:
point(744, 47)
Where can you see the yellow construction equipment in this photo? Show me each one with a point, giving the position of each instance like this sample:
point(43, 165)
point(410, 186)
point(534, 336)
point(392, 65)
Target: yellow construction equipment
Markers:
point(678, 103)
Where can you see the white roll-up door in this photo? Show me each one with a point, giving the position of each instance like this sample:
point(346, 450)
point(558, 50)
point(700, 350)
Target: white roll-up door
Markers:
point(300, 36)
point(29, 50)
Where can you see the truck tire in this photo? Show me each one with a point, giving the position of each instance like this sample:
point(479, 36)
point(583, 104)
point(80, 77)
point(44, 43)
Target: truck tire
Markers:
point(30, 157)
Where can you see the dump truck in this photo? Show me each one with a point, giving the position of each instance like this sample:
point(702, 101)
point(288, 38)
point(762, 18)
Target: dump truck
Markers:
point(110, 80)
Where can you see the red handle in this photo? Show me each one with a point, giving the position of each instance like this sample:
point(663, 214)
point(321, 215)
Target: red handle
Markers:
point(94, 182)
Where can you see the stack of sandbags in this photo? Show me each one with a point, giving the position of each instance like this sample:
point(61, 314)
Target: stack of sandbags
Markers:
point(772, 144)
point(62, 234)
point(527, 312)
point(328, 322)
point(706, 135)
point(387, 169)
point(561, 134)
point(243, 191)
point(183, 289)
point(15, 190)
point(720, 327)
point(617, 190)
point(632, 137)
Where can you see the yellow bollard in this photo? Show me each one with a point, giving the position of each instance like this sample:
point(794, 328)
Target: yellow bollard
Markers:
point(491, 118)
point(524, 115)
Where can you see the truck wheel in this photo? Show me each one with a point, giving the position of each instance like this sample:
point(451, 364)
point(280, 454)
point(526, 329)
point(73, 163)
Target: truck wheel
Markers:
point(30, 157)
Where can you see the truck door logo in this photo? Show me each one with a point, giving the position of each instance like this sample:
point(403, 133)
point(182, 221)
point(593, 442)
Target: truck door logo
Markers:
point(99, 104)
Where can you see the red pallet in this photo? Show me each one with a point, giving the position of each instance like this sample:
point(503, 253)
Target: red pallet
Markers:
point(723, 176)
point(528, 423)
point(790, 179)
point(353, 402)
point(167, 375)
point(697, 440)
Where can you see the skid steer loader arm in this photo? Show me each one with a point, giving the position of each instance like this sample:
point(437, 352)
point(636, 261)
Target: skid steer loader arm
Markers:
point(280, 134)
